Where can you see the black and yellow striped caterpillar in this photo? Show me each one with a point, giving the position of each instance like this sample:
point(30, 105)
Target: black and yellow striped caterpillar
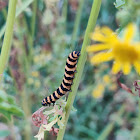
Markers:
point(65, 86)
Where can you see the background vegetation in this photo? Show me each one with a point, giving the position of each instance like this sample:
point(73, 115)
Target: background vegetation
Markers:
point(45, 32)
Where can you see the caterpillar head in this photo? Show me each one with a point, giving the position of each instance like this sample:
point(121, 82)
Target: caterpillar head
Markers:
point(77, 53)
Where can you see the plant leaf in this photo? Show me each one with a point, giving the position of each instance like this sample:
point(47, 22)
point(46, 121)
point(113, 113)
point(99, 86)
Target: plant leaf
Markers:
point(18, 12)
point(6, 98)
point(11, 109)
point(119, 3)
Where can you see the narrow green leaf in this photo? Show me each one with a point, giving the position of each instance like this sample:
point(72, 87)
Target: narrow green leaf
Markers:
point(6, 98)
point(25, 4)
point(3, 96)
point(8, 110)
point(17, 111)
point(6, 114)
point(18, 12)
point(8, 105)
point(11, 100)
point(107, 130)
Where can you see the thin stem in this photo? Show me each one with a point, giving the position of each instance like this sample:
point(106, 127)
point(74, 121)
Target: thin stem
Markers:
point(34, 18)
point(91, 24)
point(138, 124)
point(11, 126)
point(8, 36)
point(76, 24)
point(64, 13)
point(110, 126)
point(11, 123)
point(19, 11)
point(33, 25)
point(26, 108)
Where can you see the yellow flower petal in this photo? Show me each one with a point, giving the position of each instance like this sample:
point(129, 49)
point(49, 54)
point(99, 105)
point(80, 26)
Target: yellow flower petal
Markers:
point(116, 67)
point(129, 32)
point(126, 67)
point(98, 37)
point(137, 66)
point(97, 47)
point(101, 57)
point(107, 31)
point(112, 37)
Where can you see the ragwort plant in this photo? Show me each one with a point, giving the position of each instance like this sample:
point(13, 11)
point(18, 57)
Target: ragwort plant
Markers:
point(44, 125)
point(29, 86)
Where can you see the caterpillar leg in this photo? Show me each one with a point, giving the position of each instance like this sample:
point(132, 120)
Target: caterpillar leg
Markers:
point(78, 53)
point(66, 97)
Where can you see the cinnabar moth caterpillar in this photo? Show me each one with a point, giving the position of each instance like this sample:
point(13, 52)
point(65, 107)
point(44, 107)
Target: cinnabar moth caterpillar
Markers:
point(65, 86)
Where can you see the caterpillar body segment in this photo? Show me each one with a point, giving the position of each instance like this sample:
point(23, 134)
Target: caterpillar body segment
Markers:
point(65, 86)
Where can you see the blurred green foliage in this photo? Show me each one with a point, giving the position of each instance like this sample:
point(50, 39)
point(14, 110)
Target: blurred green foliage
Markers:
point(8, 106)
point(36, 66)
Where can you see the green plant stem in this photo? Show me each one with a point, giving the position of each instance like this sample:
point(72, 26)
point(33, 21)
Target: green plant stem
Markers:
point(91, 24)
point(64, 13)
point(138, 124)
point(107, 131)
point(76, 24)
point(139, 110)
point(111, 125)
point(18, 12)
point(135, 134)
point(11, 124)
point(25, 63)
point(33, 25)
point(8, 36)
point(26, 108)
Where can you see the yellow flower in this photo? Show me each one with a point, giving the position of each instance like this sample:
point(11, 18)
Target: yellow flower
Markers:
point(37, 84)
point(98, 91)
point(124, 52)
point(35, 73)
point(30, 81)
point(36, 59)
point(106, 79)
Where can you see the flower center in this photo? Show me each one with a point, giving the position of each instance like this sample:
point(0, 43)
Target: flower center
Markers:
point(125, 52)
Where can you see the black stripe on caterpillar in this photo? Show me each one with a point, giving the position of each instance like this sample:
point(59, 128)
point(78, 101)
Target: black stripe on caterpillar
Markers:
point(65, 86)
